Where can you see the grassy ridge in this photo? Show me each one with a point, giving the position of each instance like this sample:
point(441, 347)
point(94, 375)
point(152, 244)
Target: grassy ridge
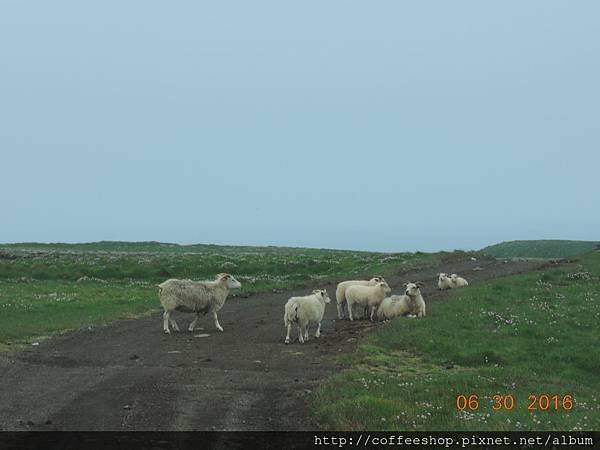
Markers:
point(539, 249)
point(528, 334)
point(47, 288)
point(258, 268)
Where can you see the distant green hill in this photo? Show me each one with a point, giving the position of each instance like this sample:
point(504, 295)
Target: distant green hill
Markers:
point(539, 249)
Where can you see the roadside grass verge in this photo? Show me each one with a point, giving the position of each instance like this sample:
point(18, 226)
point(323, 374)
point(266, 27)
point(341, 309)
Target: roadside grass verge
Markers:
point(30, 310)
point(50, 288)
point(540, 249)
point(524, 335)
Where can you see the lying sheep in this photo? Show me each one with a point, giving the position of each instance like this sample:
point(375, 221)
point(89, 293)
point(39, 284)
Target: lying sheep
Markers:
point(399, 305)
point(368, 296)
point(444, 282)
point(199, 297)
point(340, 292)
point(457, 281)
point(305, 310)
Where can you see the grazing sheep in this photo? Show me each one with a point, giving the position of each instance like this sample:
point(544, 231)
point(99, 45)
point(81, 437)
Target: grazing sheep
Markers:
point(457, 281)
point(199, 297)
point(399, 305)
point(368, 296)
point(340, 292)
point(305, 310)
point(444, 282)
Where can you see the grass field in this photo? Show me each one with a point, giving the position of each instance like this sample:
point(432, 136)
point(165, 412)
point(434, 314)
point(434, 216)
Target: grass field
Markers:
point(539, 249)
point(48, 288)
point(532, 334)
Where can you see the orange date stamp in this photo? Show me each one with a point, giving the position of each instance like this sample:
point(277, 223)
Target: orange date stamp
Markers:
point(535, 402)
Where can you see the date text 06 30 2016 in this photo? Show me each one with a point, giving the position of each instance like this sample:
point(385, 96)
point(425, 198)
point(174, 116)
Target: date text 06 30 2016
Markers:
point(535, 402)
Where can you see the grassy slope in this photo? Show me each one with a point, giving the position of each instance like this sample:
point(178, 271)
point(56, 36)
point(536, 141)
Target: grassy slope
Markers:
point(40, 295)
point(528, 334)
point(539, 249)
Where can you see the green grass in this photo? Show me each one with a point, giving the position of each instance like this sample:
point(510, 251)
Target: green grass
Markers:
point(528, 334)
point(540, 249)
point(40, 293)
point(30, 310)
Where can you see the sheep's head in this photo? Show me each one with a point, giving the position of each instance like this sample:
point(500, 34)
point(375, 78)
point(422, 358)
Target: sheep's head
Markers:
point(443, 276)
point(454, 276)
point(377, 279)
point(229, 281)
point(412, 289)
point(384, 286)
point(323, 293)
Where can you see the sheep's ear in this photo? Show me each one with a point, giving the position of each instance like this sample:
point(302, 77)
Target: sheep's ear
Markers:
point(316, 291)
point(404, 284)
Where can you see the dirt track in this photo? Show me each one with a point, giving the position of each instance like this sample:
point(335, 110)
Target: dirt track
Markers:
point(130, 376)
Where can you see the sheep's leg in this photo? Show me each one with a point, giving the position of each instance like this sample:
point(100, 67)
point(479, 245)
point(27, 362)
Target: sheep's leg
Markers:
point(173, 324)
point(193, 324)
point(287, 337)
point(300, 337)
point(349, 307)
point(372, 312)
point(166, 315)
point(217, 324)
point(306, 332)
point(318, 332)
point(340, 308)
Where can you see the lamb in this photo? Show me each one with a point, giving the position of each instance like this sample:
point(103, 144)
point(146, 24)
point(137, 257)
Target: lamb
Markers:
point(444, 282)
point(340, 292)
point(305, 310)
point(399, 305)
point(457, 281)
point(199, 297)
point(368, 296)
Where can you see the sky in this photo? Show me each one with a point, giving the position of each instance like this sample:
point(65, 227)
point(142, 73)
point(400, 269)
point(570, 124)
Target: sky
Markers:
point(389, 126)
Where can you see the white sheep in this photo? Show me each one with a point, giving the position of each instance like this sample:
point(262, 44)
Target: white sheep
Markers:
point(199, 297)
point(444, 282)
point(367, 296)
point(399, 305)
point(340, 292)
point(305, 310)
point(457, 281)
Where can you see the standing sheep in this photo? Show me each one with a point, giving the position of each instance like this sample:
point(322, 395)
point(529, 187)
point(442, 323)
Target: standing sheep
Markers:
point(368, 296)
point(199, 297)
point(305, 310)
point(444, 282)
point(340, 292)
point(399, 305)
point(457, 281)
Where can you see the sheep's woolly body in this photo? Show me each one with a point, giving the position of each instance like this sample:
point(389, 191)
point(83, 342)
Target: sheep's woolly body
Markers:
point(368, 296)
point(198, 297)
point(457, 281)
point(303, 311)
point(444, 282)
point(340, 292)
point(394, 306)
point(399, 305)
point(192, 296)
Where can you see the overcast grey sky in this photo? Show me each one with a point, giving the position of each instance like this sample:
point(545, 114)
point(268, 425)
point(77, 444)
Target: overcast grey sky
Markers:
point(362, 125)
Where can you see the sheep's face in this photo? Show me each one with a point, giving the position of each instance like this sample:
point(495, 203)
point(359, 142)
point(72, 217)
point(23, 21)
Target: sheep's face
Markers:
point(376, 280)
point(323, 294)
point(412, 289)
point(443, 276)
point(454, 276)
point(385, 286)
point(229, 281)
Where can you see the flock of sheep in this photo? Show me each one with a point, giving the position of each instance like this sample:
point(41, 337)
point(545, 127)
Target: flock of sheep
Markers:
point(203, 297)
